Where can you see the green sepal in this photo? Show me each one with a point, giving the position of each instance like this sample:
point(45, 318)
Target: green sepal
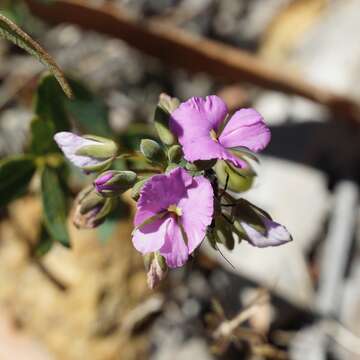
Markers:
point(90, 200)
point(163, 110)
point(122, 180)
point(109, 205)
point(152, 151)
point(102, 166)
point(99, 151)
point(168, 103)
point(239, 180)
point(241, 152)
point(175, 154)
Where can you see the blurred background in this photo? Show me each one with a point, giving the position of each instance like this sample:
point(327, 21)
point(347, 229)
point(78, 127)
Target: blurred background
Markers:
point(298, 63)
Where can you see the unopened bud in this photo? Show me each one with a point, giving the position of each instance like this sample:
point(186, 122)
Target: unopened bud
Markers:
point(91, 209)
point(112, 182)
point(163, 110)
point(175, 154)
point(152, 151)
point(156, 268)
point(239, 180)
point(90, 153)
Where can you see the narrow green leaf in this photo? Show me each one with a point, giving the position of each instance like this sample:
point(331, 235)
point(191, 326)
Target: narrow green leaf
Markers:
point(54, 206)
point(11, 32)
point(15, 175)
point(42, 132)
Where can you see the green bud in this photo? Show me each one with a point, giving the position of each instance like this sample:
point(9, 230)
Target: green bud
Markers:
point(102, 166)
point(104, 149)
point(113, 182)
point(168, 103)
point(156, 269)
point(163, 110)
point(152, 151)
point(175, 154)
point(240, 180)
point(91, 209)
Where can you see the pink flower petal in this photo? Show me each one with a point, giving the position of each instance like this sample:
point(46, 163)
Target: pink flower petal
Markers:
point(246, 128)
point(160, 192)
point(198, 116)
point(193, 197)
point(69, 143)
point(151, 237)
point(192, 122)
point(174, 249)
point(197, 209)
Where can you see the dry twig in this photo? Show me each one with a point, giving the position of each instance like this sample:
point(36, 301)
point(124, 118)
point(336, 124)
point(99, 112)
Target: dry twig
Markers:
point(179, 48)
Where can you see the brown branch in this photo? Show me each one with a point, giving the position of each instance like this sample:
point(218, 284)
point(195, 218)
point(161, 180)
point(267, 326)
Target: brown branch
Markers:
point(179, 48)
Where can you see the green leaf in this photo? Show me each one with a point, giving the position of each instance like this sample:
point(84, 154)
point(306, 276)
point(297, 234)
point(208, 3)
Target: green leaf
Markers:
point(15, 176)
point(49, 104)
point(42, 132)
point(54, 206)
point(88, 111)
point(45, 243)
point(11, 32)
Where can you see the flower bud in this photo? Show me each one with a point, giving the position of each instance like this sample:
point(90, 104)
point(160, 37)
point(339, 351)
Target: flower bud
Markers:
point(163, 110)
point(91, 209)
point(152, 151)
point(175, 154)
point(168, 103)
point(156, 268)
point(112, 182)
point(239, 180)
point(256, 226)
point(90, 153)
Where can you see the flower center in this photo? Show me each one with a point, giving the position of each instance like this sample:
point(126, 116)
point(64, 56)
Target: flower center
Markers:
point(174, 209)
point(213, 135)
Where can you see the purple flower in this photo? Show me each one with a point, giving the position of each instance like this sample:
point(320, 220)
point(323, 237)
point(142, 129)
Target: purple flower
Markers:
point(90, 153)
point(172, 215)
point(198, 123)
point(274, 235)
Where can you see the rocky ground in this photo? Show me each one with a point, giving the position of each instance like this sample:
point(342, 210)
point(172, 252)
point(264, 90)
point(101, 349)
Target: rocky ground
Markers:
point(97, 305)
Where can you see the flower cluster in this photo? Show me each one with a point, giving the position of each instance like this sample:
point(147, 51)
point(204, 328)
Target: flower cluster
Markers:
point(189, 192)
